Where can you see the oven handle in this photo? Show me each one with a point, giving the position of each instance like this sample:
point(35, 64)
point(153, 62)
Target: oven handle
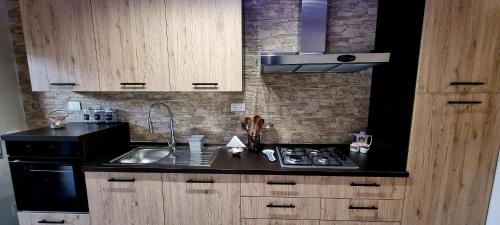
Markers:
point(51, 222)
point(17, 161)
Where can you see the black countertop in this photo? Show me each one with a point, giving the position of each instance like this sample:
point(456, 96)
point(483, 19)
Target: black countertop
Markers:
point(377, 163)
point(72, 132)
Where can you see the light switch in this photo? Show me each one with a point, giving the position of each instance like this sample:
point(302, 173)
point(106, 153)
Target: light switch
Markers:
point(238, 107)
point(74, 106)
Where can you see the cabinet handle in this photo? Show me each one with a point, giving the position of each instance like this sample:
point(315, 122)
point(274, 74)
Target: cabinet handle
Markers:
point(200, 181)
point(63, 84)
point(133, 84)
point(364, 208)
point(270, 205)
point(205, 85)
point(280, 183)
point(51, 222)
point(467, 83)
point(121, 180)
point(464, 102)
point(365, 185)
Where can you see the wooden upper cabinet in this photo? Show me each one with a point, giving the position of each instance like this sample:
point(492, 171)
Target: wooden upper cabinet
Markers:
point(125, 198)
point(132, 51)
point(205, 45)
point(460, 47)
point(201, 199)
point(60, 45)
point(452, 158)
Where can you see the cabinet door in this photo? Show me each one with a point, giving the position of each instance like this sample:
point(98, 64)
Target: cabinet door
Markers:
point(131, 44)
point(34, 218)
point(201, 199)
point(205, 45)
point(125, 198)
point(452, 159)
point(460, 44)
point(60, 45)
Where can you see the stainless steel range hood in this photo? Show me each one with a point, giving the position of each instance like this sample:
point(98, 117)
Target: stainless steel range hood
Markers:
point(312, 58)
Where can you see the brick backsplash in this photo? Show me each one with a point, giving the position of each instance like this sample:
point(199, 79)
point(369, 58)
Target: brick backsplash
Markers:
point(305, 108)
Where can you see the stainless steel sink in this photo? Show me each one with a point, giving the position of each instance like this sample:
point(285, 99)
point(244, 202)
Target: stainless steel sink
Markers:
point(164, 156)
point(143, 155)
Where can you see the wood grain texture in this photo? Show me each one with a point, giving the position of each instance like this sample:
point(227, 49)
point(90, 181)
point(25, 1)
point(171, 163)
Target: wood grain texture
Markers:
point(340, 187)
point(205, 44)
point(257, 185)
point(278, 222)
point(452, 159)
point(60, 44)
point(304, 208)
point(460, 43)
point(125, 203)
point(357, 223)
point(34, 218)
point(216, 203)
point(338, 209)
point(131, 37)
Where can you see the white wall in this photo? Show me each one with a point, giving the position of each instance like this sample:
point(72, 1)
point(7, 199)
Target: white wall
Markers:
point(11, 114)
point(494, 210)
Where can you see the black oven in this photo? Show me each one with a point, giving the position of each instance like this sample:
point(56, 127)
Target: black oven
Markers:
point(49, 184)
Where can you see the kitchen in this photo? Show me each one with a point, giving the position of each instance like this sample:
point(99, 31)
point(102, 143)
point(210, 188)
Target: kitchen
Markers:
point(421, 78)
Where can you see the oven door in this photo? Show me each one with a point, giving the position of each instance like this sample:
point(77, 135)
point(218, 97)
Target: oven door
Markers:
point(41, 185)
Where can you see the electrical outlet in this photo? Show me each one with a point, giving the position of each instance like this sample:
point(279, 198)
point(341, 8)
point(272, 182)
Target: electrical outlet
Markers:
point(238, 107)
point(74, 106)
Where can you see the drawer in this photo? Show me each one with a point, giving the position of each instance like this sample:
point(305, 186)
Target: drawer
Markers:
point(357, 223)
point(283, 186)
point(29, 218)
point(279, 222)
point(280, 208)
point(363, 187)
point(362, 210)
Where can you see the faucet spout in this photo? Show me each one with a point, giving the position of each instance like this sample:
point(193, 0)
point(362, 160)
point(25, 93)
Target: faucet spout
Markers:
point(172, 143)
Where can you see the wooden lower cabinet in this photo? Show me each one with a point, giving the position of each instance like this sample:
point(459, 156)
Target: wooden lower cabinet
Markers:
point(361, 209)
point(125, 198)
point(280, 208)
point(452, 159)
point(279, 222)
point(357, 223)
point(201, 199)
point(32, 218)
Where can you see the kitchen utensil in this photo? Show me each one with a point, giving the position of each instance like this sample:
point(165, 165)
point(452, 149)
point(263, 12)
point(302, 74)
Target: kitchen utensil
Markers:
point(363, 138)
point(255, 125)
point(57, 118)
point(270, 154)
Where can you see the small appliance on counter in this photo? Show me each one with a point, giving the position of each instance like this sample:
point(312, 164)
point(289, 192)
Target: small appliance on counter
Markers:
point(362, 143)
point(46, 164)
point(311, 157)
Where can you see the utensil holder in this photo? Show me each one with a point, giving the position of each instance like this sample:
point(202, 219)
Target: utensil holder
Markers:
point(254, 143)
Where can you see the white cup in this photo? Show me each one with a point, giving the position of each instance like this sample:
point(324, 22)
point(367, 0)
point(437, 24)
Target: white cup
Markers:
point(364, 148)
point(355, 147)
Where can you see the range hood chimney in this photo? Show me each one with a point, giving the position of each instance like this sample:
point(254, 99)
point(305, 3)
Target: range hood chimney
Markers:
point(312, 57)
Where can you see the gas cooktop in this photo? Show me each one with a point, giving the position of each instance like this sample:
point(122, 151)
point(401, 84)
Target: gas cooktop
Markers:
point(314, 157)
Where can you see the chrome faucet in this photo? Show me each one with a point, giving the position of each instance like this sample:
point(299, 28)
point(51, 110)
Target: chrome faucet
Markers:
point(171, 143)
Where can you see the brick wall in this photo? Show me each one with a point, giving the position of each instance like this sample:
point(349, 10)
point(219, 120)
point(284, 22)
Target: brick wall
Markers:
point(305, 108)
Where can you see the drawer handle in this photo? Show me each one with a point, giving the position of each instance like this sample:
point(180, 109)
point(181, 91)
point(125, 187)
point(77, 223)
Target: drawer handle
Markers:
point(364, 208)
point(51, 222)
point(63, 84)
point(121, 180)
point(464, 102)
point(365, 185)
point(200, 181)
point(270, 205)
point(205, 85)
point(467, 83)
point(280, 183)
point(133, 84)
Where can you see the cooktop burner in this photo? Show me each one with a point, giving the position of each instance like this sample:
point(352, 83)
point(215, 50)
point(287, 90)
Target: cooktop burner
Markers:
point(309, 157)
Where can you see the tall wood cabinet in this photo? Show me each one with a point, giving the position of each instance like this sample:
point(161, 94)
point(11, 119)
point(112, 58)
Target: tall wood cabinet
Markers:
point(134, 45)
point(455, 137)
point(202, 199)
point(59, 37)
point(125, 198)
